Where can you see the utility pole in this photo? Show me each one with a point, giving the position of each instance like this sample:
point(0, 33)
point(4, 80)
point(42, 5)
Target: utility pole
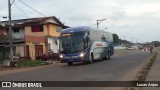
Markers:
point(99, 21)
point(10, 30)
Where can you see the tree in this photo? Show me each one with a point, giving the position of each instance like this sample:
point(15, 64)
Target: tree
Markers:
point(156, 43)
point(115, 38)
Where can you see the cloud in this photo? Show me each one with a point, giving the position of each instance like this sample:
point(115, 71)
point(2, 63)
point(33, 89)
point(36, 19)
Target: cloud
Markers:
point(118, 15)
point(3, 9)
point(139, 9)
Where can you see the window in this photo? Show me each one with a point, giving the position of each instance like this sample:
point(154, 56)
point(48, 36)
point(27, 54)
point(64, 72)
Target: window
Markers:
point(58, 29)
point(37, 28)
point(16, 30)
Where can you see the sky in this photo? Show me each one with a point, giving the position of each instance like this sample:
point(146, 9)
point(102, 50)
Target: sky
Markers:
point(133, 20)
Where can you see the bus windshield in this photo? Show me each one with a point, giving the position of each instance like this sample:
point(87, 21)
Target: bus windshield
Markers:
point(72, 43)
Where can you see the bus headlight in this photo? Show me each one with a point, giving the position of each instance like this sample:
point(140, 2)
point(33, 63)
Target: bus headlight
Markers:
point(61, 55)
point(81, 55)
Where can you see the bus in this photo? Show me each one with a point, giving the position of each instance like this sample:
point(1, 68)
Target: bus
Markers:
point(85, 44)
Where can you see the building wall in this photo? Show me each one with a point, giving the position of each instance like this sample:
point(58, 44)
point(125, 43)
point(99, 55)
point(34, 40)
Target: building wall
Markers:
point(53, 46)
point(2, 33)
point(20, 50)
point(54, 31)
point(35, 40)
point(28, 31)
point(41, 38)
point(18, 35)
point(32, 49)
point(51, 30)
point(48, 30)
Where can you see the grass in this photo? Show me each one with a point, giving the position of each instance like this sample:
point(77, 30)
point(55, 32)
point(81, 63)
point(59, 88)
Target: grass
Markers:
point(120, 51)
point(29, 63)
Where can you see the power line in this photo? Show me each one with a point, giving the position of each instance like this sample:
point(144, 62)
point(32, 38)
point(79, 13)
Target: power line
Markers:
point(21, 9)
point(32, 8)
point(61, 4)
point(13, 15)
point(12, 2)
point(69, 7)
point(61, 7)
point(68, 10)
point(65, 7)
point(73, 10)
point(67, 14)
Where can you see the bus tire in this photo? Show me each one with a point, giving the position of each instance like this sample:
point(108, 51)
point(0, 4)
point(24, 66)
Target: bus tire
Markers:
point(70, 63)
point(90, 61)
point(92, 58)
point(109, 56)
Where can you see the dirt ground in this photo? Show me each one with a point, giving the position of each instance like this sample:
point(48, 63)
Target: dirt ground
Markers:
point(3, 68)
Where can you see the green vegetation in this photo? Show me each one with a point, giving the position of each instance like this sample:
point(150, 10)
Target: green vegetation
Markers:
point(156, 43)
point(29, 63)
point(1, 61)
point(119, 41)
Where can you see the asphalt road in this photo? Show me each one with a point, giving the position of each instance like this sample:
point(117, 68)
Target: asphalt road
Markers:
point(121, 67)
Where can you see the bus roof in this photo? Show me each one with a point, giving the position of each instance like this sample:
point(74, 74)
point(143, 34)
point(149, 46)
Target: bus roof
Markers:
point(80, 28)
point(75, 29)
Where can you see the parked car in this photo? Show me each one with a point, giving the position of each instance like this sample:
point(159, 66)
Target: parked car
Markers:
point(49, 56)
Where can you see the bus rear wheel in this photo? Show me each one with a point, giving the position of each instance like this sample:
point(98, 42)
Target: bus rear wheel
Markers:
point(92, 58)
point(90, 61)
point(70, 63)
point(107, 56)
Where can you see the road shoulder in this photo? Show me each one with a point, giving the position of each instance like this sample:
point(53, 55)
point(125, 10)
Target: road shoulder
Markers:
point(24, 69)
point(154, 74)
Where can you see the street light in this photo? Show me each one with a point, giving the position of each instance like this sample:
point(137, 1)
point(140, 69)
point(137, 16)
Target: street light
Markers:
point(99, 21)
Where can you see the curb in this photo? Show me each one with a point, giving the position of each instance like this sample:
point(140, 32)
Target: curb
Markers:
point(145, 70)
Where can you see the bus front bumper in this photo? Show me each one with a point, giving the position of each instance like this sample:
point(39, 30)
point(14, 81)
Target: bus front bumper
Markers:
point(72, 59)
point(78, 57)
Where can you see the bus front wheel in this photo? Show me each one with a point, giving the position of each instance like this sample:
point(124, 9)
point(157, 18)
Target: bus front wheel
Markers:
point(92, 58)
point(70, 63)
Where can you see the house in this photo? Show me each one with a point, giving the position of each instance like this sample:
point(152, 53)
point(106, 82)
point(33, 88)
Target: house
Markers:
point(32, 37)
point(17, 41)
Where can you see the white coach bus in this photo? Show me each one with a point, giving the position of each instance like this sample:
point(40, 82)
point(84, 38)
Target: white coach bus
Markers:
point(85, 44)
